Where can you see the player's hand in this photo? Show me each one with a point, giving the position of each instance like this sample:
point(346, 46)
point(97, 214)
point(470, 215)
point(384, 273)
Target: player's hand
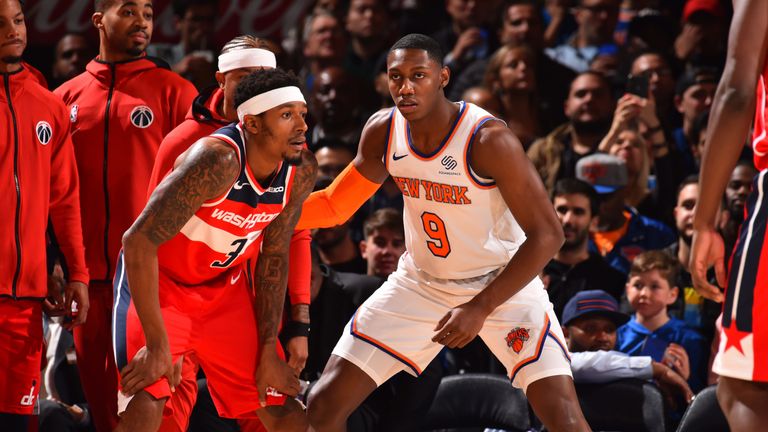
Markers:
point(147, 366)
point(676, 358)
point(707, 249)
point(76, 292)
point(298, 350)
point(53, 305)
point(671, 383)
point(459, 326)
point(275, 374)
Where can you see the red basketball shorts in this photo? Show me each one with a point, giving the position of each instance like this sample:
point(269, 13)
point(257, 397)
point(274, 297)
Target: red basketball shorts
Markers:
point(21, 346)
point(212, 326)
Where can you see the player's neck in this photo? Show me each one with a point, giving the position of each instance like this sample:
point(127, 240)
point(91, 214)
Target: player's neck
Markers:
point(428, 133)
point(8, 68)
point(114, 56)
point(261, 164)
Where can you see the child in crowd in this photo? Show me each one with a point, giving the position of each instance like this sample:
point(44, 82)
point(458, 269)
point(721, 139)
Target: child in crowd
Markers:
point(651, 331)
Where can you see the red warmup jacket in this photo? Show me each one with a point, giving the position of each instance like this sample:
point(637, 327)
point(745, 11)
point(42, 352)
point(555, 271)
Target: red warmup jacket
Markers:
point(201, 121)
point(38, 180)
point(120, 113)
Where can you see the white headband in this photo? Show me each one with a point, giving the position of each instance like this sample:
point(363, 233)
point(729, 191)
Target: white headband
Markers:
point(251, 57)
point(266, 101)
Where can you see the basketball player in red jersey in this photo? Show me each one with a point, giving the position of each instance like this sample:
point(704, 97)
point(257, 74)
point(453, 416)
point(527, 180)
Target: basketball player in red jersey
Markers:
point(742, 358)
point(180, 288)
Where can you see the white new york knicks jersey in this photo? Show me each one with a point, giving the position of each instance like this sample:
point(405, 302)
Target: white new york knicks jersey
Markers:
point(457, 224)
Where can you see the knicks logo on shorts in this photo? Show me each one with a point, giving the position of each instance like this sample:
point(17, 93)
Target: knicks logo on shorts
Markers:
point(44, 132)
point(142, 116)
point(517, 338)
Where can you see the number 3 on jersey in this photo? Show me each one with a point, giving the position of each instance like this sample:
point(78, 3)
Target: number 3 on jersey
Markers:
point(435, 229)
point(239, 244)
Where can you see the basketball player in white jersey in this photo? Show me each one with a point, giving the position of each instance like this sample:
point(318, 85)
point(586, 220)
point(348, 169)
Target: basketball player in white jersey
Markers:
point(479, 228)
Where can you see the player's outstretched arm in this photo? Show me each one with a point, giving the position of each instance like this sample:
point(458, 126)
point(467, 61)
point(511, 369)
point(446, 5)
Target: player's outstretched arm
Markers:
point(732, 113)
point(498, 154)
point(271, 280)
point(335, 204)
point(207, 171)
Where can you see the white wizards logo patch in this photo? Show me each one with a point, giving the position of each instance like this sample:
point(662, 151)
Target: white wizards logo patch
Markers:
point(44, 132)
point(73, 113)
point(142, 116)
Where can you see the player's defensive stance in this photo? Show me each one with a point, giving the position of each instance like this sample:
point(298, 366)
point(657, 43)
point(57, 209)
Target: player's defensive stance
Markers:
point(479, 228)
point(180, 291)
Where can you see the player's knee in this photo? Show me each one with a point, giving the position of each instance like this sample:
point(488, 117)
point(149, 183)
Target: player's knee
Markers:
point(289, 417)
point(143, 413)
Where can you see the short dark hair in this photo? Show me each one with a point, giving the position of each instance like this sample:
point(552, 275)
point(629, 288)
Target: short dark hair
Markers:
point(420, 42)
point(102, 5)
point(573, 186)
point(386, 217)
point(263, 81)
point(180, 6)
point(601, 77)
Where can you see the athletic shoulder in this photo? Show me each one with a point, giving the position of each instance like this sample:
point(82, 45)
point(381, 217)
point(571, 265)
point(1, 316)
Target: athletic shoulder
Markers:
point(374, 137)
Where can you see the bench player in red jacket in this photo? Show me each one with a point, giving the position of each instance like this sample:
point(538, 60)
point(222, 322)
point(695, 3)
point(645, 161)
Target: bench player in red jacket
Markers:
point(120, 109)
point(235, 195)
point(215, 108)
point(38, 181)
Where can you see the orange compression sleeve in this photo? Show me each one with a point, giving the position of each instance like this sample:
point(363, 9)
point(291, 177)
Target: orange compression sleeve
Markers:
point(337, 203)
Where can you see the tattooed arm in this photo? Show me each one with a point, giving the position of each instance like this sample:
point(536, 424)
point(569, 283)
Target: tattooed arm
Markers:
point(271, 281)
point(207, 170)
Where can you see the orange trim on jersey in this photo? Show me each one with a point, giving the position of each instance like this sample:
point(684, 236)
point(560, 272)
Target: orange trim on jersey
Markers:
point(562, 345)
point(380, 345)
point(537, 353)
point(443, 145)
point(467, 146)
point(390, 134)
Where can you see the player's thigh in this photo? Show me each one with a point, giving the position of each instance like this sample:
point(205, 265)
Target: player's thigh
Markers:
point(743, 403)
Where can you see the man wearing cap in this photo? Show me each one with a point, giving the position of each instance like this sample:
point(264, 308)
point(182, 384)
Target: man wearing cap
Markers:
point(693, 95)
point(621, 233)
point(590, 320)
point(575, 268)
point(233, 196)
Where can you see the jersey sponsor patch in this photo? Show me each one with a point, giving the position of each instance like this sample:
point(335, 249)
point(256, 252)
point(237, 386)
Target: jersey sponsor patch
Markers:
point(142, 116)
point(516, 338)
point(44, 132)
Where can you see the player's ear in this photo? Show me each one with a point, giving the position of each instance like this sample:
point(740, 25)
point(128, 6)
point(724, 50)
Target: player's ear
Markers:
point(219, 79)
point(445, 76)
point(251, 124)
point(96, 20)
point(363, 246)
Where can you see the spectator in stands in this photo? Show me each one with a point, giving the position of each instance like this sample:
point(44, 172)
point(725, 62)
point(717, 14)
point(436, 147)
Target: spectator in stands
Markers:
point(589, 107)
point(335, 245)
point(195, 54)
point(468, 37)
point(651, 331)
point(332, 157)
point(697, 313)
point(369, 25)
point(596, 23)
point(73, 52)
point(589, 324)
point(736, 193)
point(511, 76)
point(693, 95)
point(654, 67)
point(336, 106)
point(384, 241)
point(324, 46)
point(574, 268)
point(702, 40)
point(699, 137)
point(521, 24)
point(620, 233)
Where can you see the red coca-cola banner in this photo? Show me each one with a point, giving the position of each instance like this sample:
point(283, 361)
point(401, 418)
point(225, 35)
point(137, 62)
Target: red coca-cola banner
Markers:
point(48, 20)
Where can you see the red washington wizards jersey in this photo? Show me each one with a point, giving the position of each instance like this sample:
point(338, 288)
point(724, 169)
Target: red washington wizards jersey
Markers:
point(759, 137)
point(226, 230)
